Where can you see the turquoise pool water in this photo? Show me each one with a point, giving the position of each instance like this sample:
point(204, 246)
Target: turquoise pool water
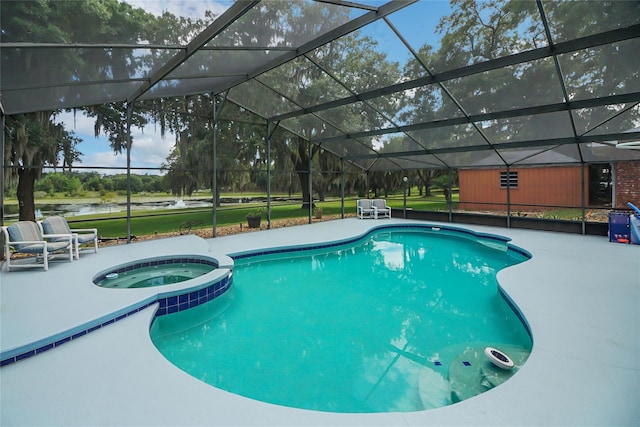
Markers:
point(376, 326)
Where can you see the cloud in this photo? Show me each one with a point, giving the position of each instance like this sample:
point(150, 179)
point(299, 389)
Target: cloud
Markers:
point(106, 159)
point(149, 149)
point(185, 8)
point(76, 122)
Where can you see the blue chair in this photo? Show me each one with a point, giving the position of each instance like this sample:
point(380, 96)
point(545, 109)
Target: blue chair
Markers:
point(58, 225)
point(25, 237)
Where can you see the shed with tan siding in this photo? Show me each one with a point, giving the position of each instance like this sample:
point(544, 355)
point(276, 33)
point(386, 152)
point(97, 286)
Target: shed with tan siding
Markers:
point(531, 188)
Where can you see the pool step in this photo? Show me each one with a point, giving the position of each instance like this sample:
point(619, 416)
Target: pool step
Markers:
point(471, 373)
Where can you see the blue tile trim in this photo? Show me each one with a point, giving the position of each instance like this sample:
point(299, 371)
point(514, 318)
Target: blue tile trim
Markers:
point(516, 310)
point(175, 303)
point(429, 228)
point(74, 336)
point(167, 305)
point(293, 249)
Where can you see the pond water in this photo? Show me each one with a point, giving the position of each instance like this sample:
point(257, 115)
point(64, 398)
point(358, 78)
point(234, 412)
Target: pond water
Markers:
point(77, 209)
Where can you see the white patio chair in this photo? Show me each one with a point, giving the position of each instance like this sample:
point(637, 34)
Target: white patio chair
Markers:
point(380, 209)
point(25, 237)
point(81, 236)
point(365, 210)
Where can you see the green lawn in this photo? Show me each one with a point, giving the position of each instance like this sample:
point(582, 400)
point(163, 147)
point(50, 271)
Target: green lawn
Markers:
point(175, 220)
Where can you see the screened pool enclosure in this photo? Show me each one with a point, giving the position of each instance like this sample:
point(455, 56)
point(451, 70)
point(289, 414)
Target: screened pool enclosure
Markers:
point(366, 89)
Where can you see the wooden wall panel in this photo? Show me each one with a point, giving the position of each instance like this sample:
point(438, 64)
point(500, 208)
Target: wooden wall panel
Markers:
point(548, 186)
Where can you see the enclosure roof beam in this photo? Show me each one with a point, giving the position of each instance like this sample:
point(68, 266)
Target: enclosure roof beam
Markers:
point(608, 138)
point(227, 18)
point(348, 4)
point(29, 45)
point(608, 37)
point(496, 115)
point(353, 25)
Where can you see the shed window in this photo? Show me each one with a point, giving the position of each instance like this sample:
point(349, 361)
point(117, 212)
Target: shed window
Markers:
point(509, 179)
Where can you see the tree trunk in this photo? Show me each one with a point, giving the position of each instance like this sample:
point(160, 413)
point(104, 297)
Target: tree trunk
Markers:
point(300, 162)
point(304, 182)
point(425, 178)
point(26, 200)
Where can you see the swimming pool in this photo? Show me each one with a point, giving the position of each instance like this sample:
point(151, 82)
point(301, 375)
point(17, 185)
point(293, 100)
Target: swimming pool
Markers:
point(396, 321)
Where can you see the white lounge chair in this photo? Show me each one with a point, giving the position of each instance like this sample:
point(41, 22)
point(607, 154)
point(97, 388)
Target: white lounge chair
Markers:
point(365, 209)
point(380, 209)
point(58, 225)
point(25, 237)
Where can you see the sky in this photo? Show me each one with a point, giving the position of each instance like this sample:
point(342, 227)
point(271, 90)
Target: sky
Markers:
point(151, 150)
point(187, 8)
point(417, 25)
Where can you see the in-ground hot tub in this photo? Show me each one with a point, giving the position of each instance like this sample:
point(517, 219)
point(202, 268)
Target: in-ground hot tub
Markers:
point(186, 280)
point(158, 271)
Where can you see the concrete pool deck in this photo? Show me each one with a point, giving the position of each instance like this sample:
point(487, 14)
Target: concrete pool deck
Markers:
point(579, 294)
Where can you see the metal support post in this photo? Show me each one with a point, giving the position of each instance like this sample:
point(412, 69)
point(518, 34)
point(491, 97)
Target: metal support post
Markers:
point(129, 143)
point(214, 163)
point(583, 196)
point(2, 124)
point(214, 170)
point(450, 193)
point(269, 174)
point(404, 210)
point(342, 186)
point(310, 183)
point(508, 197)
